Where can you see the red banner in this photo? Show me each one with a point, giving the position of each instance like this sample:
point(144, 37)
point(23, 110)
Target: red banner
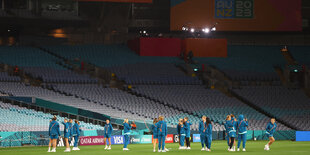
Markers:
point(92, 140)
point(205, 47)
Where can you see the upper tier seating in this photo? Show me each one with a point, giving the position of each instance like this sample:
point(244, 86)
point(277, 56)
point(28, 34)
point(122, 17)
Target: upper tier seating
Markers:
point(150, 73)
point(301, 54)
point(290, 105)
point(107, 55)
point(51, 75)
point(27, 57)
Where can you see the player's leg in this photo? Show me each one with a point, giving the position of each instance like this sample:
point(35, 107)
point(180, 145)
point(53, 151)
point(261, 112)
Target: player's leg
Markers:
point(202, 140)
point(228, 140)
point(163, 144)
point(126, 142)
point(67, 145)
point(109, 142)
point(209, 138)
point(76, 140)
point(106, 143)
point(160, 138)
point(182, 138)
point(154, 144)
point(49, 145)
point(239, 141)
point(271, 140)
point(244, 136)
point(54, 142)
point(232, 141)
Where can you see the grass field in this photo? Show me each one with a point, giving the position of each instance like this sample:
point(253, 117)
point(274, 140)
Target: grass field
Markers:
point(218, 147)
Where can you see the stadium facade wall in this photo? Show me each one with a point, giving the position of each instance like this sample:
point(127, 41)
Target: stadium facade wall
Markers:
point(172, 47)
point(165, 47)
point(204, 47)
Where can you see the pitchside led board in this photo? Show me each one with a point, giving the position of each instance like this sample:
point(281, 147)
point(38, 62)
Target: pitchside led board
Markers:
point(237, 15)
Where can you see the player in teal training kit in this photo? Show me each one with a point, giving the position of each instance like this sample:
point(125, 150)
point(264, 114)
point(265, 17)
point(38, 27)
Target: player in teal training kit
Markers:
point(76, 135)
point(270, 129)
point(242, 125)
point(162, 133)
point(187, 124)
point(208, 134)
point(66, 134)
point(54, 133)
point(108, 129)
point(231, 131)
point(202, 131)
point(182, 135)
point(127, 129)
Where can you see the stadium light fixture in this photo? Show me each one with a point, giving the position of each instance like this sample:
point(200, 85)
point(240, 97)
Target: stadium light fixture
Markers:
point(206, 30)
point(213, 29)
point(192, 30)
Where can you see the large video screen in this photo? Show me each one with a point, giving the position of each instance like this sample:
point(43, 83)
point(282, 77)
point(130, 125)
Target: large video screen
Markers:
point(237, 15)
point(127, 1)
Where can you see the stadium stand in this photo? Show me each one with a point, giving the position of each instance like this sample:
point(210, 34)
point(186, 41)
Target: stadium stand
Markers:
point(202, 101)
point(248, 63)
point(20, 89)
point(27, 57)
point(51, 75)
point(4, 76)
point(141, 107)
point(157, 83)
point(290, 105)
point(14, 118)
point(149, 73)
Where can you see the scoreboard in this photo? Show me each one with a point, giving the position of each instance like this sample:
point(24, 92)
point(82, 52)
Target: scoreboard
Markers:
point(237, 15)
point(234, 8)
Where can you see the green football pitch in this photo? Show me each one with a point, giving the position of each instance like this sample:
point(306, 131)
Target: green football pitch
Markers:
point(218, 147)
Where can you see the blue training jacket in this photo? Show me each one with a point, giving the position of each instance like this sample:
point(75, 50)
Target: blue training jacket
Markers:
point(154, 129)
point(242, 125)
point(54, 128)
point(231, 126)
point(179, 129)
point(202, 128)
point(182, 130)
point(226, 127)
point(108, 129)
point(66, 128)
point(271, 128)
point(127, 128)
point(209, 130)
point(70, 129)
point(76, 129)
point(188, 128)
point(161, 128)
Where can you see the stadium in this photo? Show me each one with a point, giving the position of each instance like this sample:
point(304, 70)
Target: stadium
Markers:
point(154, 76)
